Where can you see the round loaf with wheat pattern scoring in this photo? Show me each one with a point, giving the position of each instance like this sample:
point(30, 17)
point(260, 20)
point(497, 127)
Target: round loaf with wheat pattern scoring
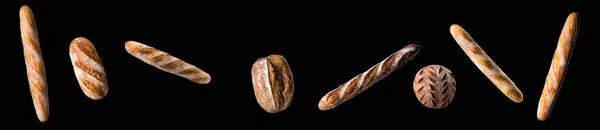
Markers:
point(434, 86)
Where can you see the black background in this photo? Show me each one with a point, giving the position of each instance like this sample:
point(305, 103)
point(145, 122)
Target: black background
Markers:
point(325, 43)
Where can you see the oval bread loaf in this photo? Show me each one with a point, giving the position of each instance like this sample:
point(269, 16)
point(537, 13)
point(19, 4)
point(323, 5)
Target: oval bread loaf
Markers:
point(273, 83)
point(88, 68)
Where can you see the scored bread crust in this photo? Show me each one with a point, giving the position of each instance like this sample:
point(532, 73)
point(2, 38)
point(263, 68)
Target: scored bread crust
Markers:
point(262, 85)
point(365, 80)
point(272, 83)
point(434, 86)
point(88, 68)
point(485, 64)
point(36, 73)
point(166, 62)
point(559, 65)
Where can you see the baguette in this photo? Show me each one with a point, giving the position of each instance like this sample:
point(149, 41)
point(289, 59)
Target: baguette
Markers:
point(560, 61)
point(166, 62)
point(36, 73)
point(88, 68)
point(486, 64)
point(365, 80)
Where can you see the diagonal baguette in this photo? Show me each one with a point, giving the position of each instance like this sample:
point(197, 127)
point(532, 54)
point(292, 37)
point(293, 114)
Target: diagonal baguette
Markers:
point(485, 64)
point(560, 61)
point(365, 80)
point(36, 73)
point(166, 62)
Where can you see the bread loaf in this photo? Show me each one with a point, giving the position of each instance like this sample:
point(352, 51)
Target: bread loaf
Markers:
point(558, 69)
point(166, 62)
point(36, 73)
point(88, 68)
point(434, 86)
point(485, 64)
point(273, 83)
point(365, 80)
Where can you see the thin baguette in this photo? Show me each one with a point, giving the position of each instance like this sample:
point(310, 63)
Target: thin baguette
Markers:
point(365, 80)
point(560, 62)
point(485, 64)
point(166, 62)
point(36, 72)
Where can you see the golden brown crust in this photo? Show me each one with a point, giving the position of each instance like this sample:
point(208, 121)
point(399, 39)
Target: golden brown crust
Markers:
point(37, 84)
point(458, 29)
point(499, 78)
point(86, 47)
point(365, 80)
point(166, 62)
point(515, 93)
point(485, 64)
point(26, 15)
point(332, 99)
point(92, 87)
point(273, 83)
point(88, 68)
point(386, 66)
point(201, 79)
point(173, 65)
point(131, 47)
point(161, 58)
point(32, 43)
point(560, 62)
point(25, 11)
point(477, 50)
point(146, 51)
point(351, 89)
point(281, 80)
point(189, 71)
point(370, 78)
point(41, 107)
point(34, 63)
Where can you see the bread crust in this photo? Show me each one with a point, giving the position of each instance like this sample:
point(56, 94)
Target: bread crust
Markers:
point(434, 86)
point(558, 68)
point(272, 83)
point(88, 68)
point(36, 73)
point(365, 80)
point(485, 64)
point(166, 62)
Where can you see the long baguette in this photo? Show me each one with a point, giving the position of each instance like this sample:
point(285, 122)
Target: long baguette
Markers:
point(88, 68)
point(486, 64)
point(365, 80)
point(560, 61)
point(166, 62)
point(36, 73)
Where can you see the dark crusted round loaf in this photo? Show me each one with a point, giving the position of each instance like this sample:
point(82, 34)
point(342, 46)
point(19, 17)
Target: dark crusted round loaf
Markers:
point(434, 86)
